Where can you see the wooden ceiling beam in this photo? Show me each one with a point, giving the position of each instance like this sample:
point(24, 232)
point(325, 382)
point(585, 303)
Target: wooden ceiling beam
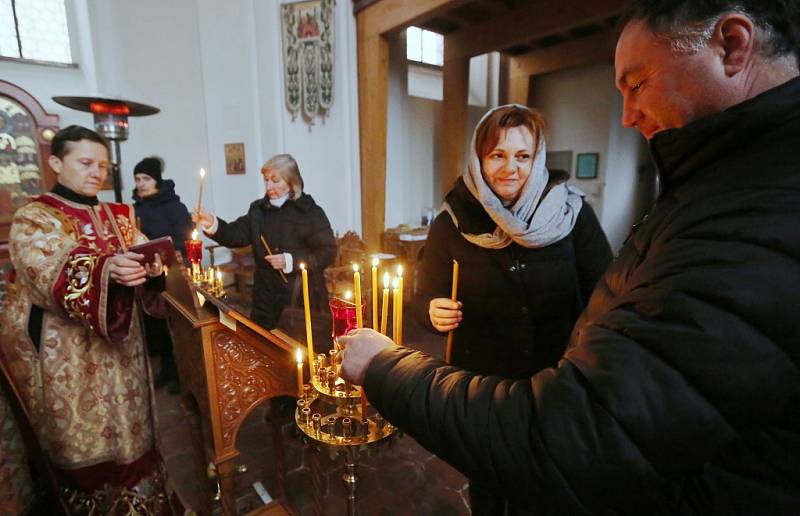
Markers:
point(589, 50)
point(524, 24)
point(389, 16)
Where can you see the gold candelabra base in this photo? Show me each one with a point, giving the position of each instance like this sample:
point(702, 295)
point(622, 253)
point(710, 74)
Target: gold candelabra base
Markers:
point(333, 418)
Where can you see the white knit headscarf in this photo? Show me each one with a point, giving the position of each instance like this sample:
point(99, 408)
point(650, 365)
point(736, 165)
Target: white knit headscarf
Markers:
point(532, 221)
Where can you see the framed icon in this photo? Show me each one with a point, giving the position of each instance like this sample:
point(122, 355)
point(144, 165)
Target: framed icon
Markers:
point(234, 158)
point(586, 167)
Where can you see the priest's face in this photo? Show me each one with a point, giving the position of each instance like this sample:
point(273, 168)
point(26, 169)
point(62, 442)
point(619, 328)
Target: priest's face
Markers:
point(276, 185)
point(507, 166)
point(84, 167)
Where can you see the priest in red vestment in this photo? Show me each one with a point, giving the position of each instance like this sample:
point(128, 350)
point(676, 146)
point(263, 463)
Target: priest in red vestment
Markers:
point(72, 337)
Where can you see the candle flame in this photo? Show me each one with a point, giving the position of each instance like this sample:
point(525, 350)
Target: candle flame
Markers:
point(298, 356)
point(202, 173)
point(194, 234)
point(395, 283)
point(375, 262)
point(355, 267)
point(386, 280)
point(219, 275)
point(302, 266)
point(400, 270)
point(348, 295)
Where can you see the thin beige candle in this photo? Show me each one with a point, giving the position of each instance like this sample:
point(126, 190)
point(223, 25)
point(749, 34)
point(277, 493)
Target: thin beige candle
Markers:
point(307, 308)
point(374, 285)
point(200, 194)
point(400, 305)
point(448, 352)
point(394, 310)
point(299, 358)
point(357, 294)
point(385, 306)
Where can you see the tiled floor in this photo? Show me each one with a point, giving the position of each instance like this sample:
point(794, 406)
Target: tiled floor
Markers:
point(402, 479)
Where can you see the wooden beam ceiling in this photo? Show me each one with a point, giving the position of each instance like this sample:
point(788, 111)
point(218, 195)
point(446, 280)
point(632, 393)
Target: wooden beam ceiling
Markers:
point(387, 16)
point(593, 49)
point(519, 26)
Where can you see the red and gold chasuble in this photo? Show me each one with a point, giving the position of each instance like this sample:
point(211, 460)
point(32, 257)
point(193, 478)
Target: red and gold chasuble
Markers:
point(87, 387)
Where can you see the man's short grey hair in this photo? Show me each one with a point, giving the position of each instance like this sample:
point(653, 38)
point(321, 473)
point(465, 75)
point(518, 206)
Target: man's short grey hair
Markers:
point(690, 37)
point(689, 24)
point(287, 167)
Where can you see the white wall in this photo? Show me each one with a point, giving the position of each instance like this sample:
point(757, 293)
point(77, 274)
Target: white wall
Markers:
point(215, 71)
point(583, 112)
point(413, 174)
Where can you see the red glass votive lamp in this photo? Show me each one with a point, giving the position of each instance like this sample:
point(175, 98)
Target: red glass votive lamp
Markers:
point(343, 313)
point(194, 251)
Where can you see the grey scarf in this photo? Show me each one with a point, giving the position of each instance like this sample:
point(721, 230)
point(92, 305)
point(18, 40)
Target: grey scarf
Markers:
point(535, 219)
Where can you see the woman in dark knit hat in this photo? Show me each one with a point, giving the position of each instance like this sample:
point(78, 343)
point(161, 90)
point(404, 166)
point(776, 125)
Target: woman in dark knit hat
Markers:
point(160, 212)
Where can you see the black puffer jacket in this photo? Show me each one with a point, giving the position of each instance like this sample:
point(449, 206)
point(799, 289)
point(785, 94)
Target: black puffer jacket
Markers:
point(300, 228)
point(680, 391)
point(519, 303)
point(163, 214)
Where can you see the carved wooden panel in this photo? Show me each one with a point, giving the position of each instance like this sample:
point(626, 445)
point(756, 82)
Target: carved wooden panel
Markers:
point(245, 377)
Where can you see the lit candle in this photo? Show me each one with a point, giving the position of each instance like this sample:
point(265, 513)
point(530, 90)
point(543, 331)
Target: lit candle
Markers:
point(394, 310)
point(385, 307)
point(374, 286)
point(399, 305)
point(307, 307)
point(298, 356)
point(357, 294)
point(219, 280)
point(454, 297)
point(194, 251)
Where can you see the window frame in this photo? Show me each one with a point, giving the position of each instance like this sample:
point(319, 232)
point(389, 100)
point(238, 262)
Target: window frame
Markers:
point(68, 20)
point(422, 50)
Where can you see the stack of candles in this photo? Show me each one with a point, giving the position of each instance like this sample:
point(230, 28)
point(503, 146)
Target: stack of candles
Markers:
point(357, 300)
point(397, 302)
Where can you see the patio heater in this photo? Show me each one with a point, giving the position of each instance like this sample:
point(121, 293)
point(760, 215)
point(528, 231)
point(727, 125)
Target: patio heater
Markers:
point(111, 122)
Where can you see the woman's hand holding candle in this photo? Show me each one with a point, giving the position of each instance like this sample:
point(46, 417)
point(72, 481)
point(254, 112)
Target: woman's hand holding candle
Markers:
point(445, 314)
point(203, 218)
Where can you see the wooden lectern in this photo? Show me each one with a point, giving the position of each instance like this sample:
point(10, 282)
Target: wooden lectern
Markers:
point(227, 365)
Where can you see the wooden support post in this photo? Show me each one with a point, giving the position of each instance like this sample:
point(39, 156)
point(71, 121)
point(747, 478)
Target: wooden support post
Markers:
point(373, 73)
point(454, 117)
point(519, 89)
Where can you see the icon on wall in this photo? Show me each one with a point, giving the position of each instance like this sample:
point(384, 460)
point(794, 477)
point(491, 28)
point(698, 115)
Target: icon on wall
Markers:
point(308, 57)
point(234, 158)
point(586, 167)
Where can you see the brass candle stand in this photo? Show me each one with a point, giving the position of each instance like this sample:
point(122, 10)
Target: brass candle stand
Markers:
point(333, 418)
point(201, 277)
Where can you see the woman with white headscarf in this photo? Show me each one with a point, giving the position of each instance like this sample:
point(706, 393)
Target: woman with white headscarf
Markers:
point(530, 251)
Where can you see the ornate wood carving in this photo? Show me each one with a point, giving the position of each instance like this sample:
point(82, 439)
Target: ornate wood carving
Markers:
point(245, 376)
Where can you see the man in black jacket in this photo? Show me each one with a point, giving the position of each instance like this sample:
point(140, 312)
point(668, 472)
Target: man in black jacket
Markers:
point(680, 390)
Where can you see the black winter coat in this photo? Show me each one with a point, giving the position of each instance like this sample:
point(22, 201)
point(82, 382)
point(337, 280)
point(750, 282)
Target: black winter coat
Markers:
point(163, 214)
point(520, 304)
point(680, 390)
point(299, 228)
